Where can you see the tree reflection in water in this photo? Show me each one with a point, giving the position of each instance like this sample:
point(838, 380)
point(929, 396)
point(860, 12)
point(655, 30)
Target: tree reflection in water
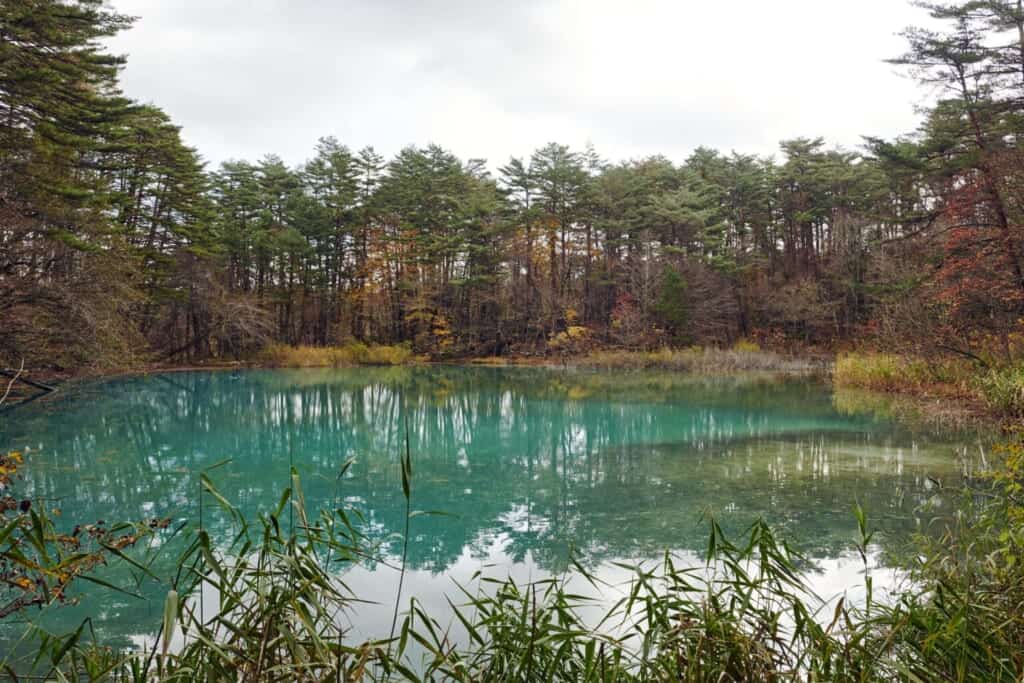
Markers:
point(527, 464)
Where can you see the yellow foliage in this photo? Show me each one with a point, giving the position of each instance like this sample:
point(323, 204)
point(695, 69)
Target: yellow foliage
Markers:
point(1011, 476)
point(577, 393)
point(570, 339)
point(746, 346)
point(9, 466)
point(442, 333)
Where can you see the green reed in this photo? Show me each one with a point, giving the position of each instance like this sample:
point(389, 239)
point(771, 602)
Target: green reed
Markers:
point(744, 615)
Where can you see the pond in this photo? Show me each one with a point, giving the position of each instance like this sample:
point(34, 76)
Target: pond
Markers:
point(529, 465)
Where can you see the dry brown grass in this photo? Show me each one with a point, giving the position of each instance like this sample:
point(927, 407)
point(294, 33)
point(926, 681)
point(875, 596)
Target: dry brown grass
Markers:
point(350, 355)
point(701, 361)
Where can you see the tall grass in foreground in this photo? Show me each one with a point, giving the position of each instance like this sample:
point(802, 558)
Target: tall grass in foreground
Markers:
point(280, 603)
point(744, 616)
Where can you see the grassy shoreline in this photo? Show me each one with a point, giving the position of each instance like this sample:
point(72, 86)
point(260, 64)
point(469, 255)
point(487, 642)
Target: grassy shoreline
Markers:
point(995, 389)
point(740, 358)
point(940, 387)
point(695, 360)
point(704, 361)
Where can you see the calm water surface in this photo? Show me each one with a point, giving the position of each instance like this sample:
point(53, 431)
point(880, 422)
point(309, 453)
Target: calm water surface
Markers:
point(530, 465)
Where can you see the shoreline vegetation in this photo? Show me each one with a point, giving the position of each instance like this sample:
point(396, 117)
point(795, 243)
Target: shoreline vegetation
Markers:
point(938, 388)
point(742, 357)
point(994, 388)
point(350, 355)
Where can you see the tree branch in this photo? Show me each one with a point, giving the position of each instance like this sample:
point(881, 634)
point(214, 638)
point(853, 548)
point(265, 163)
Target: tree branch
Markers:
point(10, 384)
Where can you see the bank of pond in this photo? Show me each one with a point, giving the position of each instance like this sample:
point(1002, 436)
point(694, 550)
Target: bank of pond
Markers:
point(514, 523)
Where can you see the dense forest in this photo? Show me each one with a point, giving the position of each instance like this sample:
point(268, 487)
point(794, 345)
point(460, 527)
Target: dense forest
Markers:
point(118, 244)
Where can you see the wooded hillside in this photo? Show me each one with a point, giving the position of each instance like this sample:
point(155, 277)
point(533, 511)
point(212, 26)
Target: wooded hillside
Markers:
point(118, 244)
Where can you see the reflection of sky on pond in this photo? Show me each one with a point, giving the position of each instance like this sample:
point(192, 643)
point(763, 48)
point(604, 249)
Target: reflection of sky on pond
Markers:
point(830, 578)
point(529, 465)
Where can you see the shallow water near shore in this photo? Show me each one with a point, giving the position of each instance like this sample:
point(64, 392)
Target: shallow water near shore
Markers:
point(530, 467)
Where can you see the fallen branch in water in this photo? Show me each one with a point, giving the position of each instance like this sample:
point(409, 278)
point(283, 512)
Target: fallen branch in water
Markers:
point(10, 384)
point(16, 377)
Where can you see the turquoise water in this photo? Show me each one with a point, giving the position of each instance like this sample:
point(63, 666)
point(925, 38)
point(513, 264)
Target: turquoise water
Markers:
point(529, 465)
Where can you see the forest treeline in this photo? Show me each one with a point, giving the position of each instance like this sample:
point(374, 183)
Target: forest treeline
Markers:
point(118, 244)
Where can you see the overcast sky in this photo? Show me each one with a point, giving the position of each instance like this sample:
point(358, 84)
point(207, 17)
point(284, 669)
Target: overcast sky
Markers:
point(491, 79)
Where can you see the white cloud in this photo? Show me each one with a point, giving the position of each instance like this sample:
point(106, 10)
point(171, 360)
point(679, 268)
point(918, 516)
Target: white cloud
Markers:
point(494, 79)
